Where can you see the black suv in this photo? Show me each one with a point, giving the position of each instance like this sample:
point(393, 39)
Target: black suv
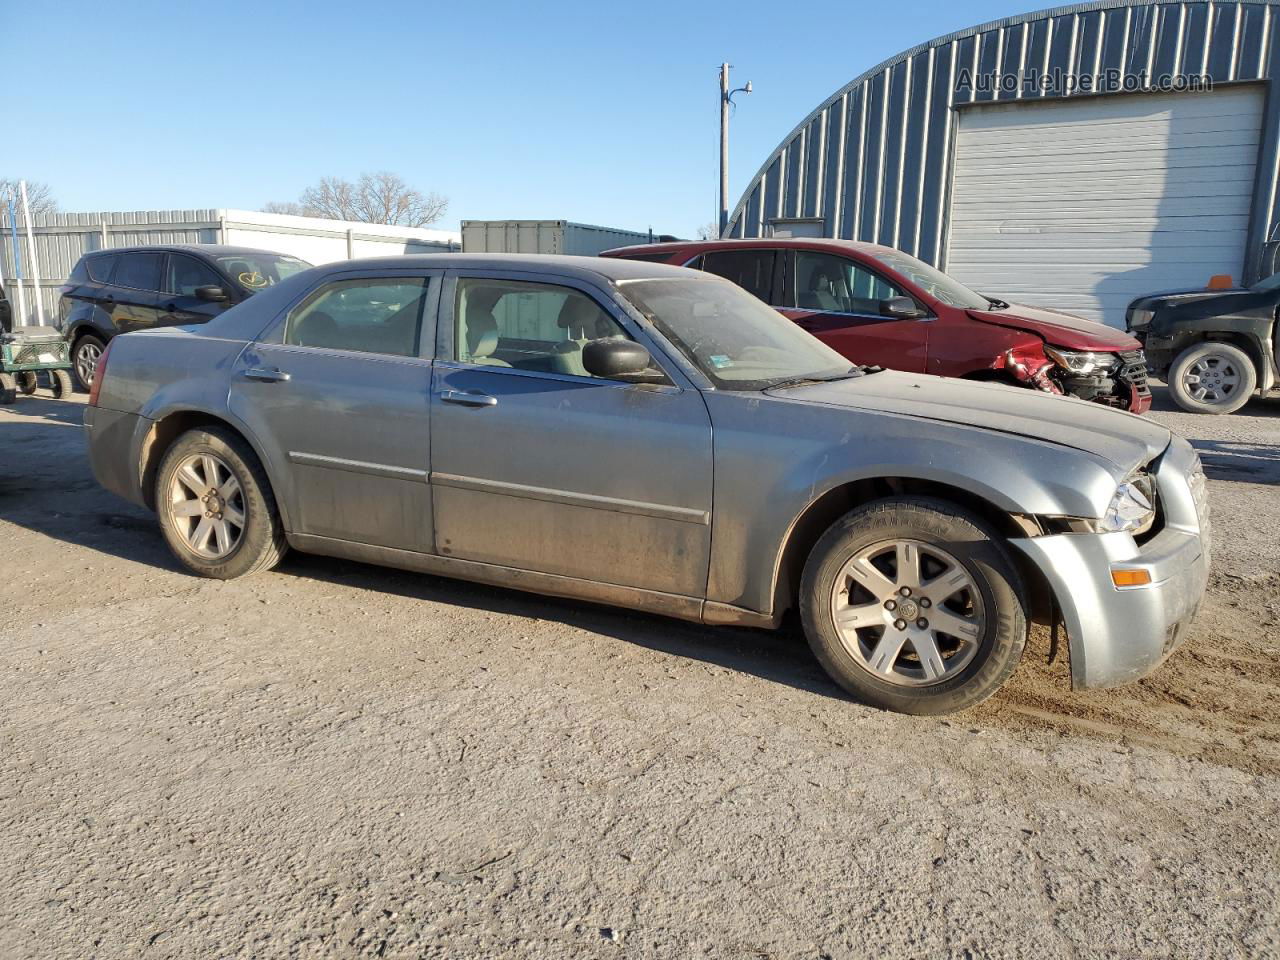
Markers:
point(1215, 348)
point(136, 288)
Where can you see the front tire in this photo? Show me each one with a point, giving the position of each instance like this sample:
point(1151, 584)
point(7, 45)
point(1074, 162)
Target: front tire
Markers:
point(8, 388)
point(84, 359)
point(914, 605)
point(60, 384)
point(1212, 377)
point(215, 506)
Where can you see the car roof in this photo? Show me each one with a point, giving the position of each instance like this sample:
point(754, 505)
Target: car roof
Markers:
point(582, 268)
point(207, 249)
point(795, 243)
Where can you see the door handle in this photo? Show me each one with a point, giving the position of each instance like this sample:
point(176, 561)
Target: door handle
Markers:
point(469, 399)
point(171, 307)
point(266, 374)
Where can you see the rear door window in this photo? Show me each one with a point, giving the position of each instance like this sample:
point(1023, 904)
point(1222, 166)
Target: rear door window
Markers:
point(752, 270)
point(99, 268)
point(373, 315)
point(138, 271)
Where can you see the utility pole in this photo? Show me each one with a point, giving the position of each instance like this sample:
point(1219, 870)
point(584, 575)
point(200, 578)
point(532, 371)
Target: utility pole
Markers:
point(726, 101)
point(34, 263)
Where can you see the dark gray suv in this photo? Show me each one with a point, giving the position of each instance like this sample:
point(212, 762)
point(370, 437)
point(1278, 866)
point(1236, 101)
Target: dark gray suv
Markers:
point(137, 288)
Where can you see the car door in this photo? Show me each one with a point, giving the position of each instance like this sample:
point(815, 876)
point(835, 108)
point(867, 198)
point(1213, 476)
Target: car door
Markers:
point(840, 301)
point(133, 299)
point(338, 395)
point(183, 276)
point(537, 465)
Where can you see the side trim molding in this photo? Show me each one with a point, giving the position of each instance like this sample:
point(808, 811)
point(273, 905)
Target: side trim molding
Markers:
point(357, 466)
point(592, 501)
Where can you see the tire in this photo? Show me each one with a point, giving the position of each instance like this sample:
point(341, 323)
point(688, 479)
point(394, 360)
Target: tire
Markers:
point(949, 671)
point(84, 359)
point(1212, 377)
point(27, 382)
point(253, 544)
point(60, 384)
point(8, 388)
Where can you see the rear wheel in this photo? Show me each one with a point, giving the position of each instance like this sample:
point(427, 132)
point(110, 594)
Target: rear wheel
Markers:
point(28, 381)
point(915, 605)
point(60, 384)
point(84, 359)
point(1212, 377)
point(216, 509)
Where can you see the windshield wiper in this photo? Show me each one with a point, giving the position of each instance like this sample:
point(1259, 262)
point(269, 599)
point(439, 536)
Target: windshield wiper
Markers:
point(994, 304)
point(859, 371)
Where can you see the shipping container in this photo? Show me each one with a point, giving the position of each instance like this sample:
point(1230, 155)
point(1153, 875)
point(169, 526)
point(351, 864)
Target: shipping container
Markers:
point(545, 236)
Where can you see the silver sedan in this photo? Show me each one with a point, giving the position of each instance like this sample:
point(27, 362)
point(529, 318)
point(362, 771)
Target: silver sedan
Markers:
point(656, 438)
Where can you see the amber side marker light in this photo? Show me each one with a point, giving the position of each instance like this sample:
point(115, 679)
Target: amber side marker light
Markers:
point(1130, 578)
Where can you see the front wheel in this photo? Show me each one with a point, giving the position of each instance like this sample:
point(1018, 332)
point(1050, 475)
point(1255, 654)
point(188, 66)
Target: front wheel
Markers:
point(1212, 377)
point(60, 384)
point(915, 605)
point(215, 505)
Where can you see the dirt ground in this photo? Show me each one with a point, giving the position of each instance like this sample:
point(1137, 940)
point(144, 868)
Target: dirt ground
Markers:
point(341, 760)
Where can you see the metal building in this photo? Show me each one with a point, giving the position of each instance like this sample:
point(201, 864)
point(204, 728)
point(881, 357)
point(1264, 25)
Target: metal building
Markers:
point(1073, 158)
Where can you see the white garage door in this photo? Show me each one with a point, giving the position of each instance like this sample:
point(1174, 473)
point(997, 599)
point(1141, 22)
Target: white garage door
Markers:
point(1083, 205)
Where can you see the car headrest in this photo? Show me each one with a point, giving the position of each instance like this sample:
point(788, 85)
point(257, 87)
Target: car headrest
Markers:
point(482, 334)
point(582, 318)
point(316, 329)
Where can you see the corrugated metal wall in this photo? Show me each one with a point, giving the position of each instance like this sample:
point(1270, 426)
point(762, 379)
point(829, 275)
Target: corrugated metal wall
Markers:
point(874, 161)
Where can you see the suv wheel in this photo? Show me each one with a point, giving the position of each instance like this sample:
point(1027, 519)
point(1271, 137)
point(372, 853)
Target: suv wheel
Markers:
point(84, 359)
point(915, 605)
point(216, 509)
point(1212, 377)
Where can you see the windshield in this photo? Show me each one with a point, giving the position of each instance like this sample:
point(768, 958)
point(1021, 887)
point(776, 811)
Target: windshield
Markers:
point(932, 280)
point(1271, 283)
point(256, 271)
point(733, 338)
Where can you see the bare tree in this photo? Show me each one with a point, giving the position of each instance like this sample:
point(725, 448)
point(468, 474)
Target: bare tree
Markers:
point(709, 231)
point(287, 207)
point(373, 198)
point(39, 196)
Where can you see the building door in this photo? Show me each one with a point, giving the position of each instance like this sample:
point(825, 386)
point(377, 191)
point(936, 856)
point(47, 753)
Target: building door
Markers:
point(1083, 205)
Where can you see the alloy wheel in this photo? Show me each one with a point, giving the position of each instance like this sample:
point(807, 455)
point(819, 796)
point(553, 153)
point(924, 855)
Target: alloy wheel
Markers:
point(908, 612)
point(87, 355)
point(1212, 379)
point(206, 506)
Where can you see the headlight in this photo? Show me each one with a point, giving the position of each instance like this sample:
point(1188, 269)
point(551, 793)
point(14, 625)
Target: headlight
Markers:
point(1132, 509)
point(1082, 362)
point(1140, 319)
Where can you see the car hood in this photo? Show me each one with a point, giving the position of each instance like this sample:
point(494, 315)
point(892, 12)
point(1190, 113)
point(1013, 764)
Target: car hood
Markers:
point(1124, 439)
point(1059, 329)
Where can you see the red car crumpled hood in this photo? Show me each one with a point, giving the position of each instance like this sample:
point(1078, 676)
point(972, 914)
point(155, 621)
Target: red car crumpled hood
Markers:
point(1059, 329)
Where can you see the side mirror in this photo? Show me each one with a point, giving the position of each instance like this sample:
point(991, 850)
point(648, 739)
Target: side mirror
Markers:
point(904, 308)
point(211, 293)
point(617, 359)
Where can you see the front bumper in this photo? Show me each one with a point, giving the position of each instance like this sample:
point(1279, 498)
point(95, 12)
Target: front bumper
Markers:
point(1117, 635)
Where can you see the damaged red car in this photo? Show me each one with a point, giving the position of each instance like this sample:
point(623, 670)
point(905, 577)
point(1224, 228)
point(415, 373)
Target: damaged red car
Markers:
point(879, 306)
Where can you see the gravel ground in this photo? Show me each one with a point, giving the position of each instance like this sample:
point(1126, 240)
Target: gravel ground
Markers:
point(339, 760)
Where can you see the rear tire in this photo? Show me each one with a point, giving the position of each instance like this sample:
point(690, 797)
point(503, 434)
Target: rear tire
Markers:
point(216, 508)
point(84, 359)
point(932, 610)
point(1212, 377)
point(60, 384)
point(27, 382)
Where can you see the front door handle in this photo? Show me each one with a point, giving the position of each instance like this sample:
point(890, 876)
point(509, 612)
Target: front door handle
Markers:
point(469, 399)
point(266, 374)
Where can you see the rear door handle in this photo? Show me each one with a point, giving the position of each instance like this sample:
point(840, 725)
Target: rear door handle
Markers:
point(266, 374)
point(469, 399)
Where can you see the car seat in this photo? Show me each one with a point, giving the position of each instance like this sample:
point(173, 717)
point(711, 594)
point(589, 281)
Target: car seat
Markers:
point(584, 322)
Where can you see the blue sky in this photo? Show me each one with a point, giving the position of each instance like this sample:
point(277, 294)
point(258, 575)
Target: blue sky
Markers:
point(584, 111)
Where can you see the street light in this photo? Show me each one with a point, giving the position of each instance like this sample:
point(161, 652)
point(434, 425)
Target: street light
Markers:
point(726, 100)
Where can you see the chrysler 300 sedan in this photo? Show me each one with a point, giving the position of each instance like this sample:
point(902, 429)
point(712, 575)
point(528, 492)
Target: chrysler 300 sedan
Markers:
point(657, 438)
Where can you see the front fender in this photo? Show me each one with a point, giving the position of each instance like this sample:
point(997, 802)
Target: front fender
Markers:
point(771, 466)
